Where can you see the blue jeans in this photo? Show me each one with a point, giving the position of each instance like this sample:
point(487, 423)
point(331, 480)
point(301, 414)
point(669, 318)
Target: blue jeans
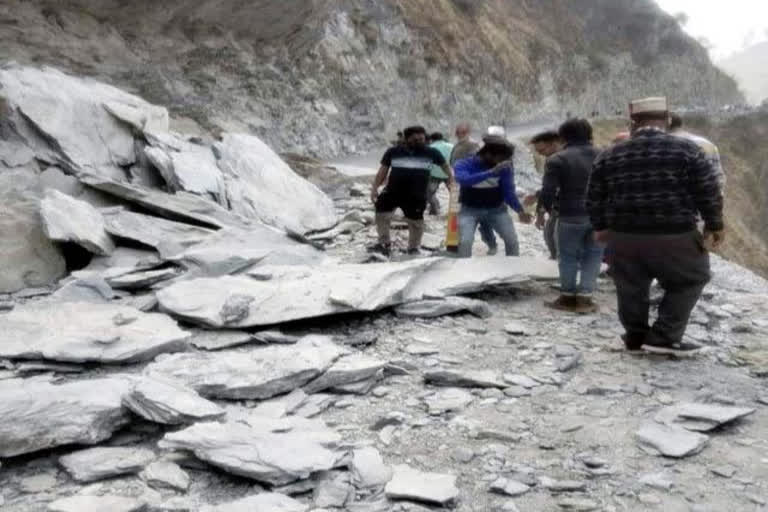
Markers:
point(497, 219)
point(579, 253)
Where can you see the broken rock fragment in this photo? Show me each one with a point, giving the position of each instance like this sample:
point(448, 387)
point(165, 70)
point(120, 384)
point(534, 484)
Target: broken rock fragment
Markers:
point(448, 400)
point(105, 462)
point(411, 484)
point(65, 219)
point(168, 402)
point(670, 441)
point(165, 475)
point(267, 457)
point(259, 373)
point(368, 469)
point(465, 379)
point(351, 369)
point(81, 332)
point(83, 503)
point(702, 417)
point(36, 415)
point(432, 308)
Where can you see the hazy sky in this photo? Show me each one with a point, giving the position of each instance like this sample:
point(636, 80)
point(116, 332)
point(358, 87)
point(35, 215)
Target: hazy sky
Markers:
point(729, 25)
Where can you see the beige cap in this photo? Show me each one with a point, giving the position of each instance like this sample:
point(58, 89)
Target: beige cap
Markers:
point(648, 105)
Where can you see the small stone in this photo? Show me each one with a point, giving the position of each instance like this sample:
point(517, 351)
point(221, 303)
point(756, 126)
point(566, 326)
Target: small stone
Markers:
point(562, 485)
point(165, 475)
point(725, 471)
point(517, 392)
point(103, 462)
point(464, 379)
point(657, 481)
point(448, 400)
point(579, 505)
point(567, 364)
point(368, 469)
point(497, 435)
point(509, 487)
point(649, 499)
point(757, 500)
point(516, 329)
point(671, 441)
point(593, 462)
point(574, 427)
point(411, 484)
point(421, 349)
point(380, 392)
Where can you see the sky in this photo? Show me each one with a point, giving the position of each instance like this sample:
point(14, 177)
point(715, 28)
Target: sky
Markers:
point(729, 25)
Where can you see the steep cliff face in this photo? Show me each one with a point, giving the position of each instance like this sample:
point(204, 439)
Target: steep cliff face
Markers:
point(335, 76)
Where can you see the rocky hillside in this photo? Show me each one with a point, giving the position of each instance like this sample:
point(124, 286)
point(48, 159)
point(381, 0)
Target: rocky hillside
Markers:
point(326, 77)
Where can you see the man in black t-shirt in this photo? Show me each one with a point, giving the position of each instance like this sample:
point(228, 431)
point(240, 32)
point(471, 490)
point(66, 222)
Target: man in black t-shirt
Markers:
point(406, 170)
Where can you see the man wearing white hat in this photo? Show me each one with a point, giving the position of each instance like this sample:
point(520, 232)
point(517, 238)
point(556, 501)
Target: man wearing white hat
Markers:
point(644, 198)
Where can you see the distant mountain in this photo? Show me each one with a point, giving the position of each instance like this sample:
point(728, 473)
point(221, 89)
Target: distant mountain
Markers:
point(750, 68)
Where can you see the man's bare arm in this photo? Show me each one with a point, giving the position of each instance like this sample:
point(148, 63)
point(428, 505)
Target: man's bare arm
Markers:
point(381, 177)
point(448, 170)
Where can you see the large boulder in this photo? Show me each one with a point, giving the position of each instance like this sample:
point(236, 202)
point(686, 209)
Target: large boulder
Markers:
point(296, 293)
point(29, 258)
point(36, 415)
point(88, 125)
point(260, 185)
point(80, 332)
point(189, 167)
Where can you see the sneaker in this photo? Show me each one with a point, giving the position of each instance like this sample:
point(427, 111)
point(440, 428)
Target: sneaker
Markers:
point(384, 249)
point(586, 305)
point(673, 349)
point(493, 251)
point(567, 303)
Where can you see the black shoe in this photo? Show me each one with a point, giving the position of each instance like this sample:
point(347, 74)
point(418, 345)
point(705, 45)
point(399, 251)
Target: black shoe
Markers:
point(414, 252)
point(633, 342)
point(675, 348)
point(384, 249)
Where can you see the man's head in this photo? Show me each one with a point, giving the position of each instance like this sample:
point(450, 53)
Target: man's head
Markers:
point(675, 122)
point(495, 150)
point(463, 131)
point(547, 143)
point(415, 136)
point(649, 113)
point(575, 132)
point(435, 137)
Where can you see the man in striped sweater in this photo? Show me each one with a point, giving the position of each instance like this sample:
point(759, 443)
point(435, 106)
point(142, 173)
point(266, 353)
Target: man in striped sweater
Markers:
point(644, 198)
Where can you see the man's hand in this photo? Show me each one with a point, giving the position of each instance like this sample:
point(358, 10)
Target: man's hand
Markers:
point(525, 217)
point(713, 239)
point(502, 166)
point(541, 220)
point(374, 194)
point(530, 200)
point(602, 237)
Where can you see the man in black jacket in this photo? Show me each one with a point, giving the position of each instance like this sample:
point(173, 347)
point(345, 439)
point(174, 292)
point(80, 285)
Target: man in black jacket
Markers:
point(565, 189)
point(644, 198)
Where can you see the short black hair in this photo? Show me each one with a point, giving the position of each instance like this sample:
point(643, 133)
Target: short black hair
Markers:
point(545, 137)
point(436, 136)
point(576, 131)
point(414, 130)
point(675, 121)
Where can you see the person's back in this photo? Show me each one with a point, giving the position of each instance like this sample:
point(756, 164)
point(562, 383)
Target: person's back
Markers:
point(445, 148)
point(654, 184)
point(707, 146)
point(573, 166)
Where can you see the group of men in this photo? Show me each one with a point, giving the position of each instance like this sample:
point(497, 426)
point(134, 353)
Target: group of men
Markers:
point(640, 200)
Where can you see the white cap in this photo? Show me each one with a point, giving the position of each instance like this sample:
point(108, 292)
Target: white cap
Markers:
point(497, 131)
point(648, 105)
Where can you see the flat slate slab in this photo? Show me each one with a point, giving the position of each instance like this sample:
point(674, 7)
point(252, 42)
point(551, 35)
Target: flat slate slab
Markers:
point(84, 503)
point(257, 373)
point(168, 402)
point(105, 462)
point(267, 457)
point(465, 379)
point(79, 332)
point(448, 400)
point(66, 219)
point(702, 417)
point(296, 293)
point(670, 441)
point(432, 308)
point(265, 502)
point(347, 370)
point(37, 415)
point(411, 484)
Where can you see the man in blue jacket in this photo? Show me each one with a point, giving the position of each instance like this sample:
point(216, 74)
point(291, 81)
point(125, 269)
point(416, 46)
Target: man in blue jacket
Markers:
point(487, 187)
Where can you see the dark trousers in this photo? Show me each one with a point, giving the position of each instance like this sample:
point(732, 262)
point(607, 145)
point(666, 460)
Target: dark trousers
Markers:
point(550, 235)
point(681, 266)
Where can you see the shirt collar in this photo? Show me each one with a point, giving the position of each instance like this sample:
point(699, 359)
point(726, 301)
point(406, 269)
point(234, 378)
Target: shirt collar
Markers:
point(647, 131)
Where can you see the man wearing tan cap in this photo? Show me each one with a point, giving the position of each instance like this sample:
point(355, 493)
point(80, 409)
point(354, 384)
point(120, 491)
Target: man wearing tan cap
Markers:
point(644, 198)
